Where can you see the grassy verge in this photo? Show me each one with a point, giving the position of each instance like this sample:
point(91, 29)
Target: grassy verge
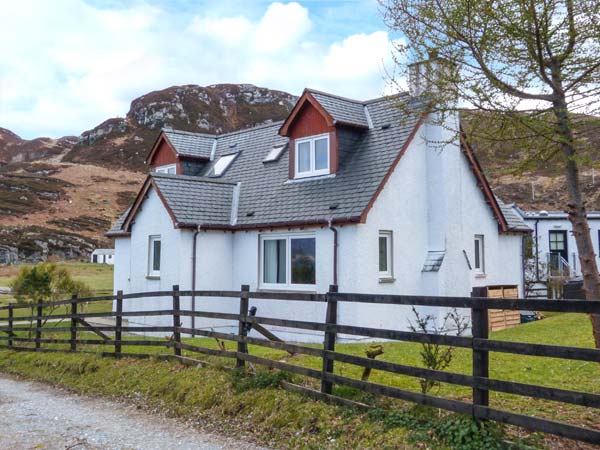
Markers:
point(253, 407)
point(234, 400)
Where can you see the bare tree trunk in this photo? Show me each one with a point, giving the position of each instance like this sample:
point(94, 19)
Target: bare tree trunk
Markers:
point(578, 215)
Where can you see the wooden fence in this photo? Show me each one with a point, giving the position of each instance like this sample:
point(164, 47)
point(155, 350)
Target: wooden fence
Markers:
point(14, 326)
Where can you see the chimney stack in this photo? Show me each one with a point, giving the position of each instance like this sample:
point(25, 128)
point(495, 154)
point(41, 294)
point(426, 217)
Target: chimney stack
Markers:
point(425, 77)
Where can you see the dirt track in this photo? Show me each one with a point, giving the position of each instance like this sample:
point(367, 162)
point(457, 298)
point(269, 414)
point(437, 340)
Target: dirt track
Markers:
point(36, 416)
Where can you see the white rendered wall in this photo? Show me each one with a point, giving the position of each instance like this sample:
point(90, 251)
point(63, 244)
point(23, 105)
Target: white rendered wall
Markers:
point(431, 200)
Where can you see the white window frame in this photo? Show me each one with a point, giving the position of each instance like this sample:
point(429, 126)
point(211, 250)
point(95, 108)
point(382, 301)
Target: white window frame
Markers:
point(166, 169)
point(288, 285)
point(312, 172)
point(481, 269)
point(151, 272)
point(389, 236)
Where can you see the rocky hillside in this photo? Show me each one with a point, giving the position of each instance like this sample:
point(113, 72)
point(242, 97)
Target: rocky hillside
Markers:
point(59, 196)
point(13, 149)
point(221, 108)
point(534, 183)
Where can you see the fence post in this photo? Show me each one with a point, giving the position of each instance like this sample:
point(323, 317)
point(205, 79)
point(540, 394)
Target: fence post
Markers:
point(176, 321)
point(242, 347)
point(10, 324)
point(73, 323)
point(38, 326)
point(118, 322)
point(329, 341)
point(481, 360)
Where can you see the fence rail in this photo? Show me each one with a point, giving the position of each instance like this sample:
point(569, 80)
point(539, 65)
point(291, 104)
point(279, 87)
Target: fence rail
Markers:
point(13, 327)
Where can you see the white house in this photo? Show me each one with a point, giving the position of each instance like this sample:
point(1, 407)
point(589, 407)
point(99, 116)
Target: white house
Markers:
point(353, 193)
point(554, 246)
point(103, 256)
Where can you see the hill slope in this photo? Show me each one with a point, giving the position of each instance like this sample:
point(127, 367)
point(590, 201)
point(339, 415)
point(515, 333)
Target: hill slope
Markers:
point(59, 196)
point(214, 109)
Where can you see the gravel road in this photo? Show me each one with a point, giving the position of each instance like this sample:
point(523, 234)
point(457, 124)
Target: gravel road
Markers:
point(36, 416)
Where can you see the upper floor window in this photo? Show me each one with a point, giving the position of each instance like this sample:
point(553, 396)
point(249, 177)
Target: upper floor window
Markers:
point(170, 168)
point(312, 156)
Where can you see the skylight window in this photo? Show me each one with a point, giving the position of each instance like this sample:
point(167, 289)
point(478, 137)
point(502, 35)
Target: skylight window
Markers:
point(275, 153)
point(222, 165)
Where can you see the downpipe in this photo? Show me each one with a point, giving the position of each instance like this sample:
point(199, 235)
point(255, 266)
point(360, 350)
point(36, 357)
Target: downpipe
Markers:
point(194, 254)
point(335, 250)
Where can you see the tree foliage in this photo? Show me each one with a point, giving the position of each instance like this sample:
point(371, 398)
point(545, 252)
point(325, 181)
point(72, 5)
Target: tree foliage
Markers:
point(46, 282)
point(533, 66)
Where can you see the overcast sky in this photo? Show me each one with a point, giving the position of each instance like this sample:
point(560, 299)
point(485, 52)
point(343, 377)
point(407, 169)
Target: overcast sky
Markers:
point(67, 65)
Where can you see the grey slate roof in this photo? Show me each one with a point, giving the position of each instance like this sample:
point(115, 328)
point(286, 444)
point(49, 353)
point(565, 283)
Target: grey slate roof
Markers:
point(342, 110)
point(514, 221)
point(196, 200)
point(266, 195)
point(195, 145)
point(117, 227)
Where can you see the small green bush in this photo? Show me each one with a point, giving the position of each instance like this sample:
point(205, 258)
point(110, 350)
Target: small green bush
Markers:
point(457, 432)
point(242, 381)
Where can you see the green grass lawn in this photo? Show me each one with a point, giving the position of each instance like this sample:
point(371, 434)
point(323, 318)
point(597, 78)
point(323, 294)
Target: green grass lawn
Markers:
point(98, 277)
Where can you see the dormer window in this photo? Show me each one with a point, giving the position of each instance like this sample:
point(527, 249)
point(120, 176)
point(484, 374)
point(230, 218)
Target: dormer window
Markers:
point(169, 168)
point(312, 156)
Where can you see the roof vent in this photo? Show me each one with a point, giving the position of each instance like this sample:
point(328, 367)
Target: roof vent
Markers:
point(335, 206)
point(386, 126)
point(250, 214)
point(234, 145)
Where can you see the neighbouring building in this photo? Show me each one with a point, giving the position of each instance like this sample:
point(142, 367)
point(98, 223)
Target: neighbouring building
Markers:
point(103, 256)
point(553, 251)
point(346, 192)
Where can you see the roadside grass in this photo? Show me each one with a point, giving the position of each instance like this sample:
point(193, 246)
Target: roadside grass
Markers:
point(558, 329)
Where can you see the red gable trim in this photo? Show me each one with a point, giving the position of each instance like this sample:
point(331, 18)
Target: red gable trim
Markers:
point(157, 143)
point(482, 182)
point(306, 97)
point(139, 199)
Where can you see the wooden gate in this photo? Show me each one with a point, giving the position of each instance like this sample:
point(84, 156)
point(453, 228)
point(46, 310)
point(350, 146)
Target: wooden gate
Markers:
point(499, 319)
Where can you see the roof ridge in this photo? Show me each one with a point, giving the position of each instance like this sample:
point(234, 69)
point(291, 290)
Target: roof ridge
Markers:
point(256, 127)
point(339, 97)
point(360, 102)
point(191, 178)
point(387, 97)
point(190, 133)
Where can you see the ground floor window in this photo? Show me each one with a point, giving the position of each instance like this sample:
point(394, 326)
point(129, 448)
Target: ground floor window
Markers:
point(479, 265)
point(154, 250)
point(385, 254)
point(288, 261)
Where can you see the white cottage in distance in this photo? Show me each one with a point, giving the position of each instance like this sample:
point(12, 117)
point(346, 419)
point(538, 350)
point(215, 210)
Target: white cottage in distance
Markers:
point(103, 256)
point(345, 192)
point(553, 248)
